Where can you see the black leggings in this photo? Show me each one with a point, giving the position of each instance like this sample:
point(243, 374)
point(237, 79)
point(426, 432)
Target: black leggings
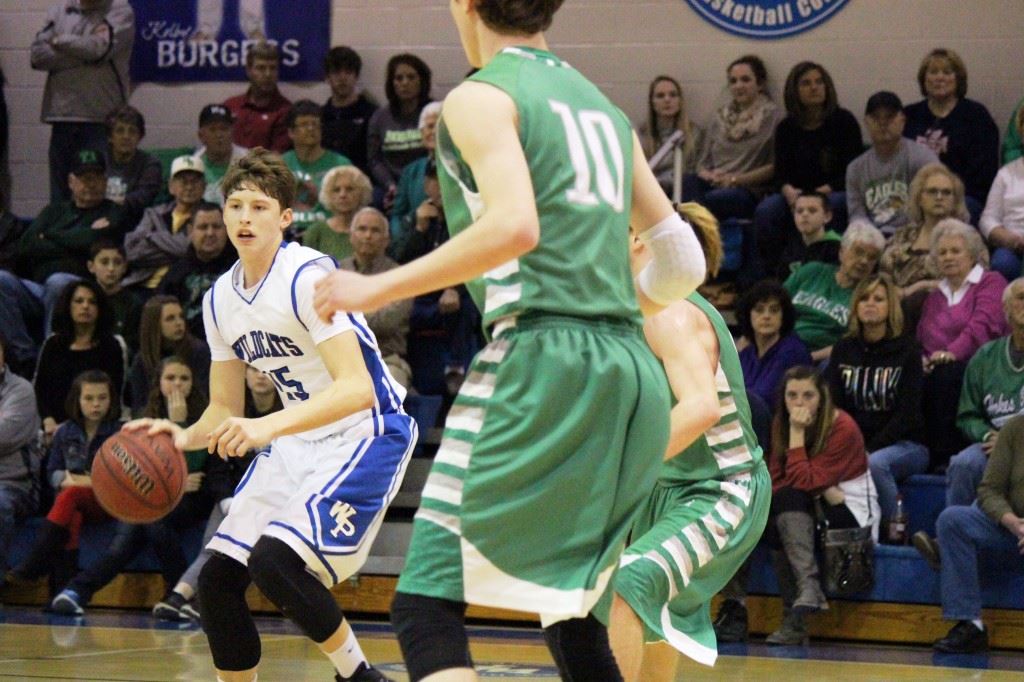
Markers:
point(793, 500)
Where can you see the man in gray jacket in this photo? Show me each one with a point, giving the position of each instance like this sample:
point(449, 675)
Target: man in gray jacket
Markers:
point(161, 238)
point(85, 46)
point(19, 426)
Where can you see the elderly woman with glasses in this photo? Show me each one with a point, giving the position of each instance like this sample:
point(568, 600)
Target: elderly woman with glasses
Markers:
point(961, 314)
point(936, 193)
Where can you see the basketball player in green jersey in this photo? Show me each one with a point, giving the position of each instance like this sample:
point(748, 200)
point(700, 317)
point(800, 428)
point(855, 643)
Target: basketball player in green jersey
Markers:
point(710, 504)
point(558, 431)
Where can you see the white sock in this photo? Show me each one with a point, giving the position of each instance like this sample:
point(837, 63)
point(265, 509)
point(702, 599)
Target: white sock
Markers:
point(348, 656)
point(185, 590)
point(978, 624)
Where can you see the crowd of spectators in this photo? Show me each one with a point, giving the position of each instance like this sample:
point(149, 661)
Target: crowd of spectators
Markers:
point(874, 334)
point(887, 271)
point(101, 292)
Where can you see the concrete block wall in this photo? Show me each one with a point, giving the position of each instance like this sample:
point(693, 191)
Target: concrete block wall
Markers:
point(620, 44)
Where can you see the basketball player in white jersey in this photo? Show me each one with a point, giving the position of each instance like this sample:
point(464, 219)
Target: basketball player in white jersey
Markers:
point(305, 514)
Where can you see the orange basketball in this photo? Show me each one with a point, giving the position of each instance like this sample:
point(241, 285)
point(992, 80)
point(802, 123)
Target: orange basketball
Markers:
point(138, 478)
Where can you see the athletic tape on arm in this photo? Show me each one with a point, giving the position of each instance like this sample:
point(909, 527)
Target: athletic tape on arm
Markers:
point(677, 264)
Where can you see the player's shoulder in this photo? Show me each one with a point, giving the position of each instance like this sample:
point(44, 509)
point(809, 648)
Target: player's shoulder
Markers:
point(296, 259)
point(472, 95)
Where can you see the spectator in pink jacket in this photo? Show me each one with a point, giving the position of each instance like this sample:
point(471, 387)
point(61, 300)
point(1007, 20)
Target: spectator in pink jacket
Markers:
point(963, 313)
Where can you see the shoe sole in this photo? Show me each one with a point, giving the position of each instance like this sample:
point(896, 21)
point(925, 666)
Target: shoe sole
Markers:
point(808, 609)
point(63, 609)
point(945, 650)
point(171, 615)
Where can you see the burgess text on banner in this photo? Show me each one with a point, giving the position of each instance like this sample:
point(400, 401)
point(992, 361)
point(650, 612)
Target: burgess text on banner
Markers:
point(206, 40)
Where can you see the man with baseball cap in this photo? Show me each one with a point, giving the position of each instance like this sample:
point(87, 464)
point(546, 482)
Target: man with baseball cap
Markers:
point(217, 151)
point(878, 180)
point(59, 238)
point(53, 251)
point(161, 237)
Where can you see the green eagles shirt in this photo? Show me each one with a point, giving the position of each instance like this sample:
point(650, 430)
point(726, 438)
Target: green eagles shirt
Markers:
point(308, 179)
point(730, 446)
point(822, 306)
point(579, 149)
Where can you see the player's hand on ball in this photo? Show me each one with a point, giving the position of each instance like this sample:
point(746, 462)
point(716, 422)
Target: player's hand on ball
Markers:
point(345, 291)
point(193, 481)
point(155, 426)
point(236, 436)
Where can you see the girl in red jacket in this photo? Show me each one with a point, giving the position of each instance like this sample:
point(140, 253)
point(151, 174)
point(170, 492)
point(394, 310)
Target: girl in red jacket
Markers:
point(817, 452)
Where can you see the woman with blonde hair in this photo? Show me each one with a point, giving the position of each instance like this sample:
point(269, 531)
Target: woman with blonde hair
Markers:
point(935, 193)
point(670, 140)
point(960, 131)
point(875, 374)
point(345, 190)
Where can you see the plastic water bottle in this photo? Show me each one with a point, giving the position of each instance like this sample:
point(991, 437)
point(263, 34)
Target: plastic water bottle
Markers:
point(898, 524)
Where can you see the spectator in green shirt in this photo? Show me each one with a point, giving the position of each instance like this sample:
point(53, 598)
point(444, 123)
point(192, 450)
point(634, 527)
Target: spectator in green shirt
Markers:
point(821, 291)
point(309, 162)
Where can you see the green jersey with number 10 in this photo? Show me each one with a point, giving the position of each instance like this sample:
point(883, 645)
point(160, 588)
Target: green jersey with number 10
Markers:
point(579, 149)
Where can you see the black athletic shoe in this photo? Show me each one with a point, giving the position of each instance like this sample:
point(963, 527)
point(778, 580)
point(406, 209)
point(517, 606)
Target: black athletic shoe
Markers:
point(364, 673)
point(169, 608)
point(963, 638)
point(192, 611)
point(731, 623)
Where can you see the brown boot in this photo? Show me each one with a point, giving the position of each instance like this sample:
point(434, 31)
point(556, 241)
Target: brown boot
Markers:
point(796, 530)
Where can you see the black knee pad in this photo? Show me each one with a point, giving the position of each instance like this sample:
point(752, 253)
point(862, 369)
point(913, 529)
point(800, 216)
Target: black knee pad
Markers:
point(223, 575)
point(282, 576)
point(431, 633)
point(581, 650)
point(230, 630)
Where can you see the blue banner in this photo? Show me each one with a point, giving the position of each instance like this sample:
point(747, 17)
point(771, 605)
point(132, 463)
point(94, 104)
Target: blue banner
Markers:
point(206, 40)
point(766, 19)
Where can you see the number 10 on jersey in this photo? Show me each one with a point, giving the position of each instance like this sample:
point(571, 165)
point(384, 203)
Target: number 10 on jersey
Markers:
point(591, 137)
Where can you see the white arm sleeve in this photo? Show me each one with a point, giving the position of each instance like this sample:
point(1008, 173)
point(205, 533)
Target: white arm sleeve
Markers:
point(677, 264)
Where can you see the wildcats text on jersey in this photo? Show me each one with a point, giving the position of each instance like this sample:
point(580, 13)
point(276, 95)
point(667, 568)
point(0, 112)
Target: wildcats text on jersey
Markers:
point(258, 344)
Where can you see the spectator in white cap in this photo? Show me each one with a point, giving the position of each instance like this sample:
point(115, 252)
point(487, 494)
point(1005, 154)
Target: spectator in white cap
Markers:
point(161, 237)
point(217, 151)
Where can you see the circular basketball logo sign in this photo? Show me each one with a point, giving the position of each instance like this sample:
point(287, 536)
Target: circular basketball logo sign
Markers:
point(766, 19)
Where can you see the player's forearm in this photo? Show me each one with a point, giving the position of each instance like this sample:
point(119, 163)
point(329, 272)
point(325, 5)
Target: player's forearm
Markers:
point(212, 417)
point(495, 239)
point(338, 401)
point(690, 419)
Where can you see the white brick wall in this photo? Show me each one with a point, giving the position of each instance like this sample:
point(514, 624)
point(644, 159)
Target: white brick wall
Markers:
point(621, 44)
